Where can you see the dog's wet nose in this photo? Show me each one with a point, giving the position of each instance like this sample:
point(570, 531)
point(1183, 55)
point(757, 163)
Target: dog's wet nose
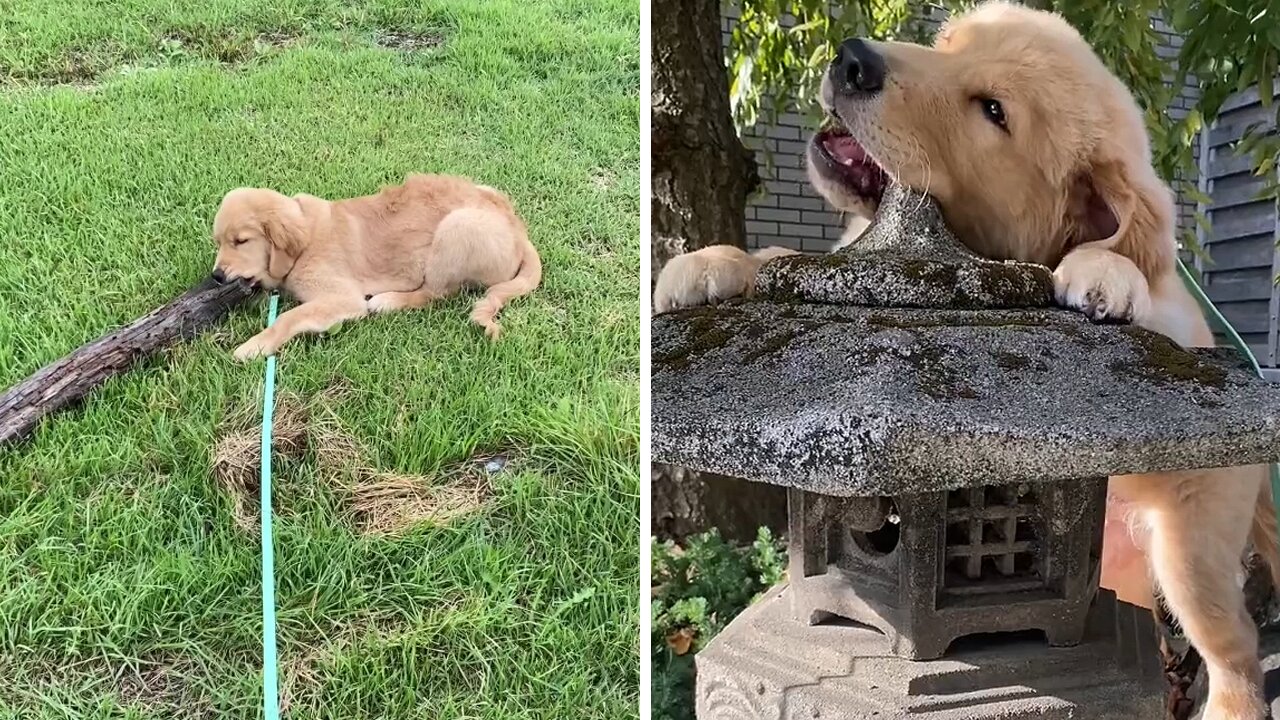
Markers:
point(857, 68)
point(219, 275)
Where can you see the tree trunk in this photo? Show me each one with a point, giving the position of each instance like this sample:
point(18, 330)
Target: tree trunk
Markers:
point(66, 381)
point(702, 175)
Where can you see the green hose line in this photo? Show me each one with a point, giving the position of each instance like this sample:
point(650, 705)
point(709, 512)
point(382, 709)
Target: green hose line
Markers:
point(1238, 343)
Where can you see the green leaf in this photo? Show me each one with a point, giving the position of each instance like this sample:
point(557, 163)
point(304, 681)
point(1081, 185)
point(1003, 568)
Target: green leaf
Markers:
point(1203, 222)
point(1266, 75)
point(1193, 193)
point(1194, 122)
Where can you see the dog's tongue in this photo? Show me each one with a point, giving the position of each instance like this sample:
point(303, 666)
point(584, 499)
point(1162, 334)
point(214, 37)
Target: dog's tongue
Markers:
point(845, 149)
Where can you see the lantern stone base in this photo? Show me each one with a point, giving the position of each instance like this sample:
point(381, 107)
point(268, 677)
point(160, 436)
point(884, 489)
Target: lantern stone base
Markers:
point(766, 665)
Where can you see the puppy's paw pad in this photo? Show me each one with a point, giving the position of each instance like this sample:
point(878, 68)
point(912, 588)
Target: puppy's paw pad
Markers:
point(1100, 307)
point(1105, 287)
point(1102, 303)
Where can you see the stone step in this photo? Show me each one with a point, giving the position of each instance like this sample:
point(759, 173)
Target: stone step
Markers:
point(767, 665)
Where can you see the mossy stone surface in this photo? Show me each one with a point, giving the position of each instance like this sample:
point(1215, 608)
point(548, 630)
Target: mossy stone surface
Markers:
point(879, 401)
point(907, 364)
point(907, 258)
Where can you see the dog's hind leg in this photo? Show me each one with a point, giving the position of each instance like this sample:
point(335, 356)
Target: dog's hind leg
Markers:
point(402, 300)
point(1199, 523)
point(487, 248)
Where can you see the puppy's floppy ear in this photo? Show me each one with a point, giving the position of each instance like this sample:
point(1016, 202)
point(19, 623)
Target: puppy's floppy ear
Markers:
point(283, 227)
point(1126, 209)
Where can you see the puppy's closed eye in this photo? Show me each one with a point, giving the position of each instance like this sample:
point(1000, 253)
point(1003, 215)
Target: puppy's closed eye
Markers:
point(240, 241)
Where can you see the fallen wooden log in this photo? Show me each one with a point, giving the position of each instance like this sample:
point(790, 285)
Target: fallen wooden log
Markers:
point(66, 381)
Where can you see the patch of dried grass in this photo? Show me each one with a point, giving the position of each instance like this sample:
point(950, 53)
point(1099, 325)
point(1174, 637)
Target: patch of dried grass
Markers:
point(301, 674)
point(237, 455)
point(391, 503)
point(376, 502)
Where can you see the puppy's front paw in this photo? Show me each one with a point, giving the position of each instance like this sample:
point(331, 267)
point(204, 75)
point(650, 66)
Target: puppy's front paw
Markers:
point(1105, 286)
point(384, 302)
point(255, 347)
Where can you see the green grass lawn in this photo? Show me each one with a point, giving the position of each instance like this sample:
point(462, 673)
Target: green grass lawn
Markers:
point(410, 584)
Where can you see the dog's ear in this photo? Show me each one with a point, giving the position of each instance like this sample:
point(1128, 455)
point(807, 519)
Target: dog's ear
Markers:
point(283, 227)
point(1126, 209)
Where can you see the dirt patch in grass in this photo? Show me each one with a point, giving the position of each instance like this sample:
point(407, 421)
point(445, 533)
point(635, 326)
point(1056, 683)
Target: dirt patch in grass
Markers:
point(76, 67)
point(408, 40)
point(83, 67)
point(601, 179)
point(376, 502)
point(161, 685)
point(229, 47)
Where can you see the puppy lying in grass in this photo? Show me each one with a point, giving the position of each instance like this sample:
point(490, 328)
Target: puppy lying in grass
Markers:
point(400, 248)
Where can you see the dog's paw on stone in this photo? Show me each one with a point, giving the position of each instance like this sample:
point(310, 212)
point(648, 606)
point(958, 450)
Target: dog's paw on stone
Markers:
point(1105, 286)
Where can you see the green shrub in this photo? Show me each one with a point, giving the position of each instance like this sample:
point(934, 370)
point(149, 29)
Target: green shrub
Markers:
point(698, 589)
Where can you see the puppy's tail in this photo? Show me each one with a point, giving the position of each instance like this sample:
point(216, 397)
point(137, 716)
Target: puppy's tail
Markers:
point(1264, 533)
point(526, 279)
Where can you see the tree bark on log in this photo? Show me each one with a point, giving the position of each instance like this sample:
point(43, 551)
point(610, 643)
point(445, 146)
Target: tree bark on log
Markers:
point(63, 383)
point(702, 176)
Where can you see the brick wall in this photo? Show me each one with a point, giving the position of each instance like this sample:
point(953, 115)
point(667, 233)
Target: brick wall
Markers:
point(791, 214)
point(788, 212)
point(1182, 104)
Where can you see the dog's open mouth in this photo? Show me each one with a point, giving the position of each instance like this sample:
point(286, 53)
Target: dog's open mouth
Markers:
point(848, 162)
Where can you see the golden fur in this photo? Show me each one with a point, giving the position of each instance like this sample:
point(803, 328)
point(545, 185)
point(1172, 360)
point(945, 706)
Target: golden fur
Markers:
point(400, 248)
point(1067, 181)
point(706, 276)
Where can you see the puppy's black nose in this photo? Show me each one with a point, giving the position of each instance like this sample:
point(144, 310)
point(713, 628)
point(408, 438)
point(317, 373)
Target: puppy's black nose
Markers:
point(219, 275)
point(857, 68)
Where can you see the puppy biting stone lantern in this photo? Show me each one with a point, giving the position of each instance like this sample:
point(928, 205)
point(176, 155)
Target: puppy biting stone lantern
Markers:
point(945, 434)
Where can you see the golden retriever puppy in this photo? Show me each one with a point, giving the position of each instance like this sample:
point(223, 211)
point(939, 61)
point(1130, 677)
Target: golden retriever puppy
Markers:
point(710, 275)
point(401, 248)
point(1036, 152)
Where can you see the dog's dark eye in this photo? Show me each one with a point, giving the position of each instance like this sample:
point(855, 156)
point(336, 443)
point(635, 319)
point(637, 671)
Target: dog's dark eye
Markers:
point(240, 240)
point(994, 112)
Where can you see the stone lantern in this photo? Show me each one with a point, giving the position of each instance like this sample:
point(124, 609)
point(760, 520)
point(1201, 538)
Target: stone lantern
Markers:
point(945, 434)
